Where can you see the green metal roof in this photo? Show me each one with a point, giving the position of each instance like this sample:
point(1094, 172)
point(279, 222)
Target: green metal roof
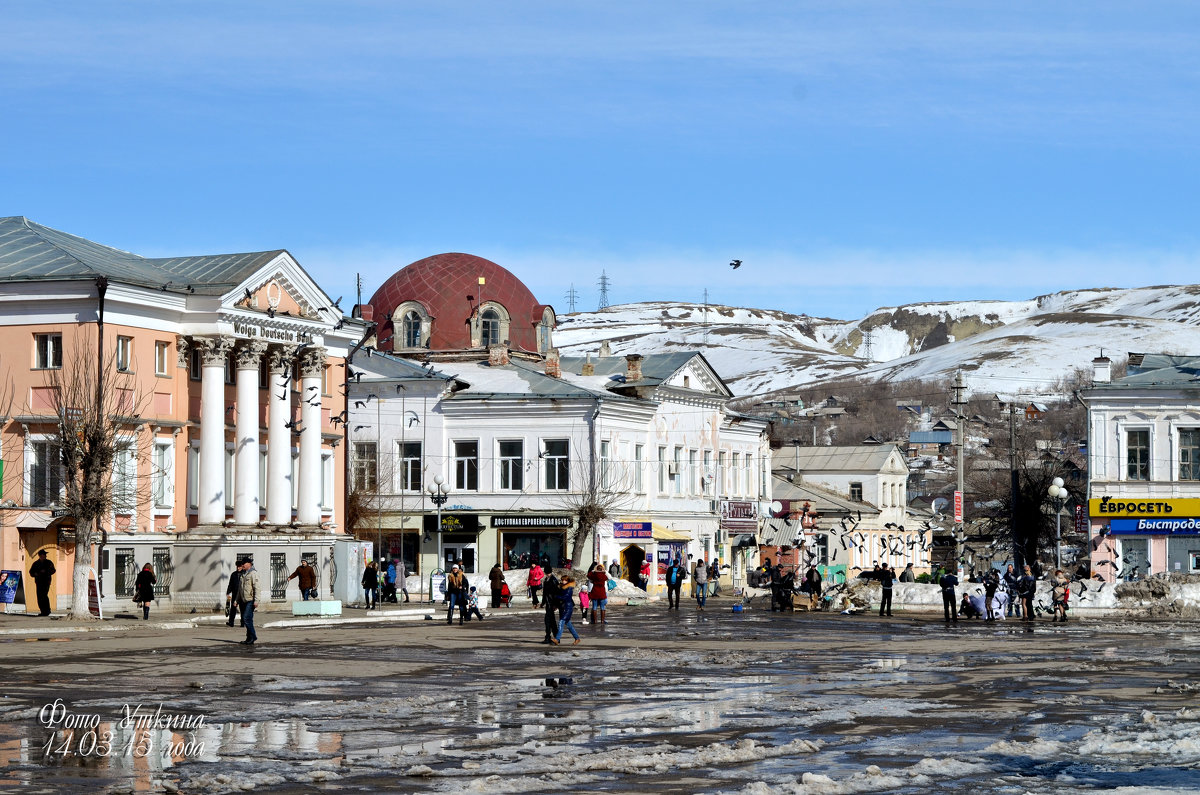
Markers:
point(32, 252)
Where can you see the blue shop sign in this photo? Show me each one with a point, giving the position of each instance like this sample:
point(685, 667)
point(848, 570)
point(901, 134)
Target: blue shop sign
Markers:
point(1154, 527)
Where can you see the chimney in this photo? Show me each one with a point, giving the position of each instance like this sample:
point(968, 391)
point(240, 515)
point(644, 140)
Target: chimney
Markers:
point(497, 354)
point(588, 367)
point(605, 351)
point(633, 367)
point(363, 312)
point(552, 367)
point(1101, 369)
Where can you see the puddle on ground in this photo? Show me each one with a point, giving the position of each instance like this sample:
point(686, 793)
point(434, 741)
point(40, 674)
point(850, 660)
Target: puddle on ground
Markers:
point(714, 704)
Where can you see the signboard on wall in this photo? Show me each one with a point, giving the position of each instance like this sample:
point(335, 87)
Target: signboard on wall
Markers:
point(643, 530)
point(9, 580)
point(738, 515)
point(1149, 507)
point(533, 522)
point(1155, 527)
point(958, 507)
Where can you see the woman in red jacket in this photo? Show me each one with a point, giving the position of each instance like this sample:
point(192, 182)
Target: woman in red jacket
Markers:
point(598, 577)
point(536, 575)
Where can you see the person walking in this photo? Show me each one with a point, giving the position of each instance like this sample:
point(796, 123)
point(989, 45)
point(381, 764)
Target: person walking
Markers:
point(1060, 594)
point(644, 575)
point(700, 583)
point(551, 594)
point(42, 572)
point(567, 600)
point(908, 575)
point(991, 583)
point(143, 589)
point(389, 582)
point(948, 583)
point(812, 581)
point(1027, 589)
point(676, 574)
point(370, 584)
point(614, 569)
point(249, 589)
point(496, 581)
point(886, 579)
point(714, 578)
point(306, 577)
point(473, 605)
point(1011, 581)
point(536, 576)
point(599, 593)
point(456, 593)
point(233, 595)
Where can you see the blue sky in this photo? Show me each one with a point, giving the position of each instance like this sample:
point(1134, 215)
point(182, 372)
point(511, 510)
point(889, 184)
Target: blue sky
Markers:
point(852, 154)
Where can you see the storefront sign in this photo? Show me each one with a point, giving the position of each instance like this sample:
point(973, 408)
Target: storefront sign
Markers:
point(633, 530)
point(1121, 507)
point(1154, 527)
point(452, 523)
point(9, 580)
point(1081, 520)
point(244, 329)
point(738, 515)
point(533, 522)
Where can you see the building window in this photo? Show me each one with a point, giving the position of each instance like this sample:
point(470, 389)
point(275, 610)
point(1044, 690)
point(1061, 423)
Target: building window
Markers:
point(1137, 455)
point(707, 474)
point(325, 381)
point(558, 465)
point(126, 571)
point(48, 351)
point(1189, 454)
point(124, 354)
point(512, 455)
point(366, 466)
point(662, 470)
point(279, 575)
point(856, 492)
point(162, 358)
point(124, 477)
point(677, 470)
point(194, 364)
point(820, 549)
point(160, 561)
point(230, 371)
point(694, 484)
point(466, 466)
point(326, 480)
point(411, 330)
point(639, 477)
point(605, 464)
point(489, 327)
point(45, 474)
point(160, 474)
point(721, 488)
point(737, 472)
point(410, 466)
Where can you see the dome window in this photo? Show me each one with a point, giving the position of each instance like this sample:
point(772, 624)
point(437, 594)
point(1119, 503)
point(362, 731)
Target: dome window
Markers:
point(490, 328)
point(411, 329)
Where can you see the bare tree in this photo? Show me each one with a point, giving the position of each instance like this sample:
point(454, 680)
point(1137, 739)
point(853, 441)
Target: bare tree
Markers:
point(98, 411)
point(605, 489)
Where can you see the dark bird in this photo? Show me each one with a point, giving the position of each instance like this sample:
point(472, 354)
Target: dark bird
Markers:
point(314, 402)
point(270, 311)
point(336, 420)
point(295, 426)
point(338, 325)
point(336, 304)
point(249, 295)
point(360, 427)
point(737, 263)
point(284, 396)
point(191, 289)
point(311, 389)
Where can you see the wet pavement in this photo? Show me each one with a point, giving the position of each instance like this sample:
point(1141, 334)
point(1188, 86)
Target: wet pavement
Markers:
point(652, 702)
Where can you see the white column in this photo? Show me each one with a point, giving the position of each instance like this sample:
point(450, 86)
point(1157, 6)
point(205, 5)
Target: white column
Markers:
point(211, 499)
point(308, 507)
point(279, 436)
point(246, 500)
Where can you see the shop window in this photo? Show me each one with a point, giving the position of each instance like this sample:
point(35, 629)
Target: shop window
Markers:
point(522, 549)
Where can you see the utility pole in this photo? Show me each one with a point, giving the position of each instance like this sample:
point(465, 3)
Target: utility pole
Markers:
point(705, 322)
point(958, 402)
point(572, 297)
point(869, 355)
point(1018, 547)
point(604, 283)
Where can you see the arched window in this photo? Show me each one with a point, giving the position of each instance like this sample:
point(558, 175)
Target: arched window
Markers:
point(489, 328)
point(412, 330)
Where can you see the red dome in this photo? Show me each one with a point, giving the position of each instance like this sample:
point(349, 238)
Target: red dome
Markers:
point(447, 286)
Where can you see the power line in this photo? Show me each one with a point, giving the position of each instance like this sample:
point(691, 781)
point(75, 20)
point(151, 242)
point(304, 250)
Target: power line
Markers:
point(572, 297)
point(604, 284)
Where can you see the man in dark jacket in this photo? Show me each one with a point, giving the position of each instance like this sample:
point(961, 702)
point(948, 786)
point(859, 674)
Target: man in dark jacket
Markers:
point(496, 580)
point(307, 580)
point(42, 572)
point(233, 595)
point(991, 583)
point(886, 578)
point(456, 593)
point(552, 599)
point(1011, 580)
point(676, 575)
point(948, 583)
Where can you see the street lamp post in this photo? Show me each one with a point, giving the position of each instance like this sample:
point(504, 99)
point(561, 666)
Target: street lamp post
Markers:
point(1058, 497)
point(439, 492)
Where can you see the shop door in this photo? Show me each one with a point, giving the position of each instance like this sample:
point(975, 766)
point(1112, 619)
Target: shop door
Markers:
point(33, 541)
point(452, 553)
point(1135, 555)
point(631, 563)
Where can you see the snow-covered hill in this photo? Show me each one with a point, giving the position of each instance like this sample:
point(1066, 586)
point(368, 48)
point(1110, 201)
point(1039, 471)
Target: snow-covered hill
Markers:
point(1003, 346)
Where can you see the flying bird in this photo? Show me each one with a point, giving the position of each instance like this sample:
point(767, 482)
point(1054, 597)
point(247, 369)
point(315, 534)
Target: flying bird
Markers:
point(249, 295)
point(293, 425)
point(737, 263)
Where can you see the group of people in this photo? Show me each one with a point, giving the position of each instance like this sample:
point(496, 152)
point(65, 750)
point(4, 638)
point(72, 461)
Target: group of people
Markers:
point(558, 599)
point(1004, 595)
point(392, 581)
point(241, 596)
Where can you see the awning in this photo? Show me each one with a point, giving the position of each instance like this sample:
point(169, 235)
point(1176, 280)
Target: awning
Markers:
point(663, 534)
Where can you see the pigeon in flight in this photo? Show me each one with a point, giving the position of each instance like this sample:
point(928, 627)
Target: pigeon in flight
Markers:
point(735, 264)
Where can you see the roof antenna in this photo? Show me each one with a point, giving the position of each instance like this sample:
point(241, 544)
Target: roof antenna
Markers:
point(358, 279)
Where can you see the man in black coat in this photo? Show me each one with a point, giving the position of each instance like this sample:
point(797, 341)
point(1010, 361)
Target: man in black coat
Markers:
point(552, 599)
point(233, 591)
point(676, 575)
point(42, 572)
point(886, 577)
point(948, 583)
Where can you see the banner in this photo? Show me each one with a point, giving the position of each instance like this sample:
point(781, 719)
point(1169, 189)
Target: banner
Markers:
point(1146, 527)
point(9, 580)
point(1133, 507)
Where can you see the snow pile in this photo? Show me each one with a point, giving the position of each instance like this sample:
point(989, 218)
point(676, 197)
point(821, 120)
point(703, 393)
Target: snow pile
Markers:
point(1163, 595)
point(925, 773)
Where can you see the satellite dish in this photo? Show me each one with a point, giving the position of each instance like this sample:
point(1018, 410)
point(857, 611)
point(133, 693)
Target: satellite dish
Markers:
point(776, 507)
point(939, 505)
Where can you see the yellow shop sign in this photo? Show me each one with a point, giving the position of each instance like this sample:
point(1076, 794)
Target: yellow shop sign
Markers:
point(1118, 507)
